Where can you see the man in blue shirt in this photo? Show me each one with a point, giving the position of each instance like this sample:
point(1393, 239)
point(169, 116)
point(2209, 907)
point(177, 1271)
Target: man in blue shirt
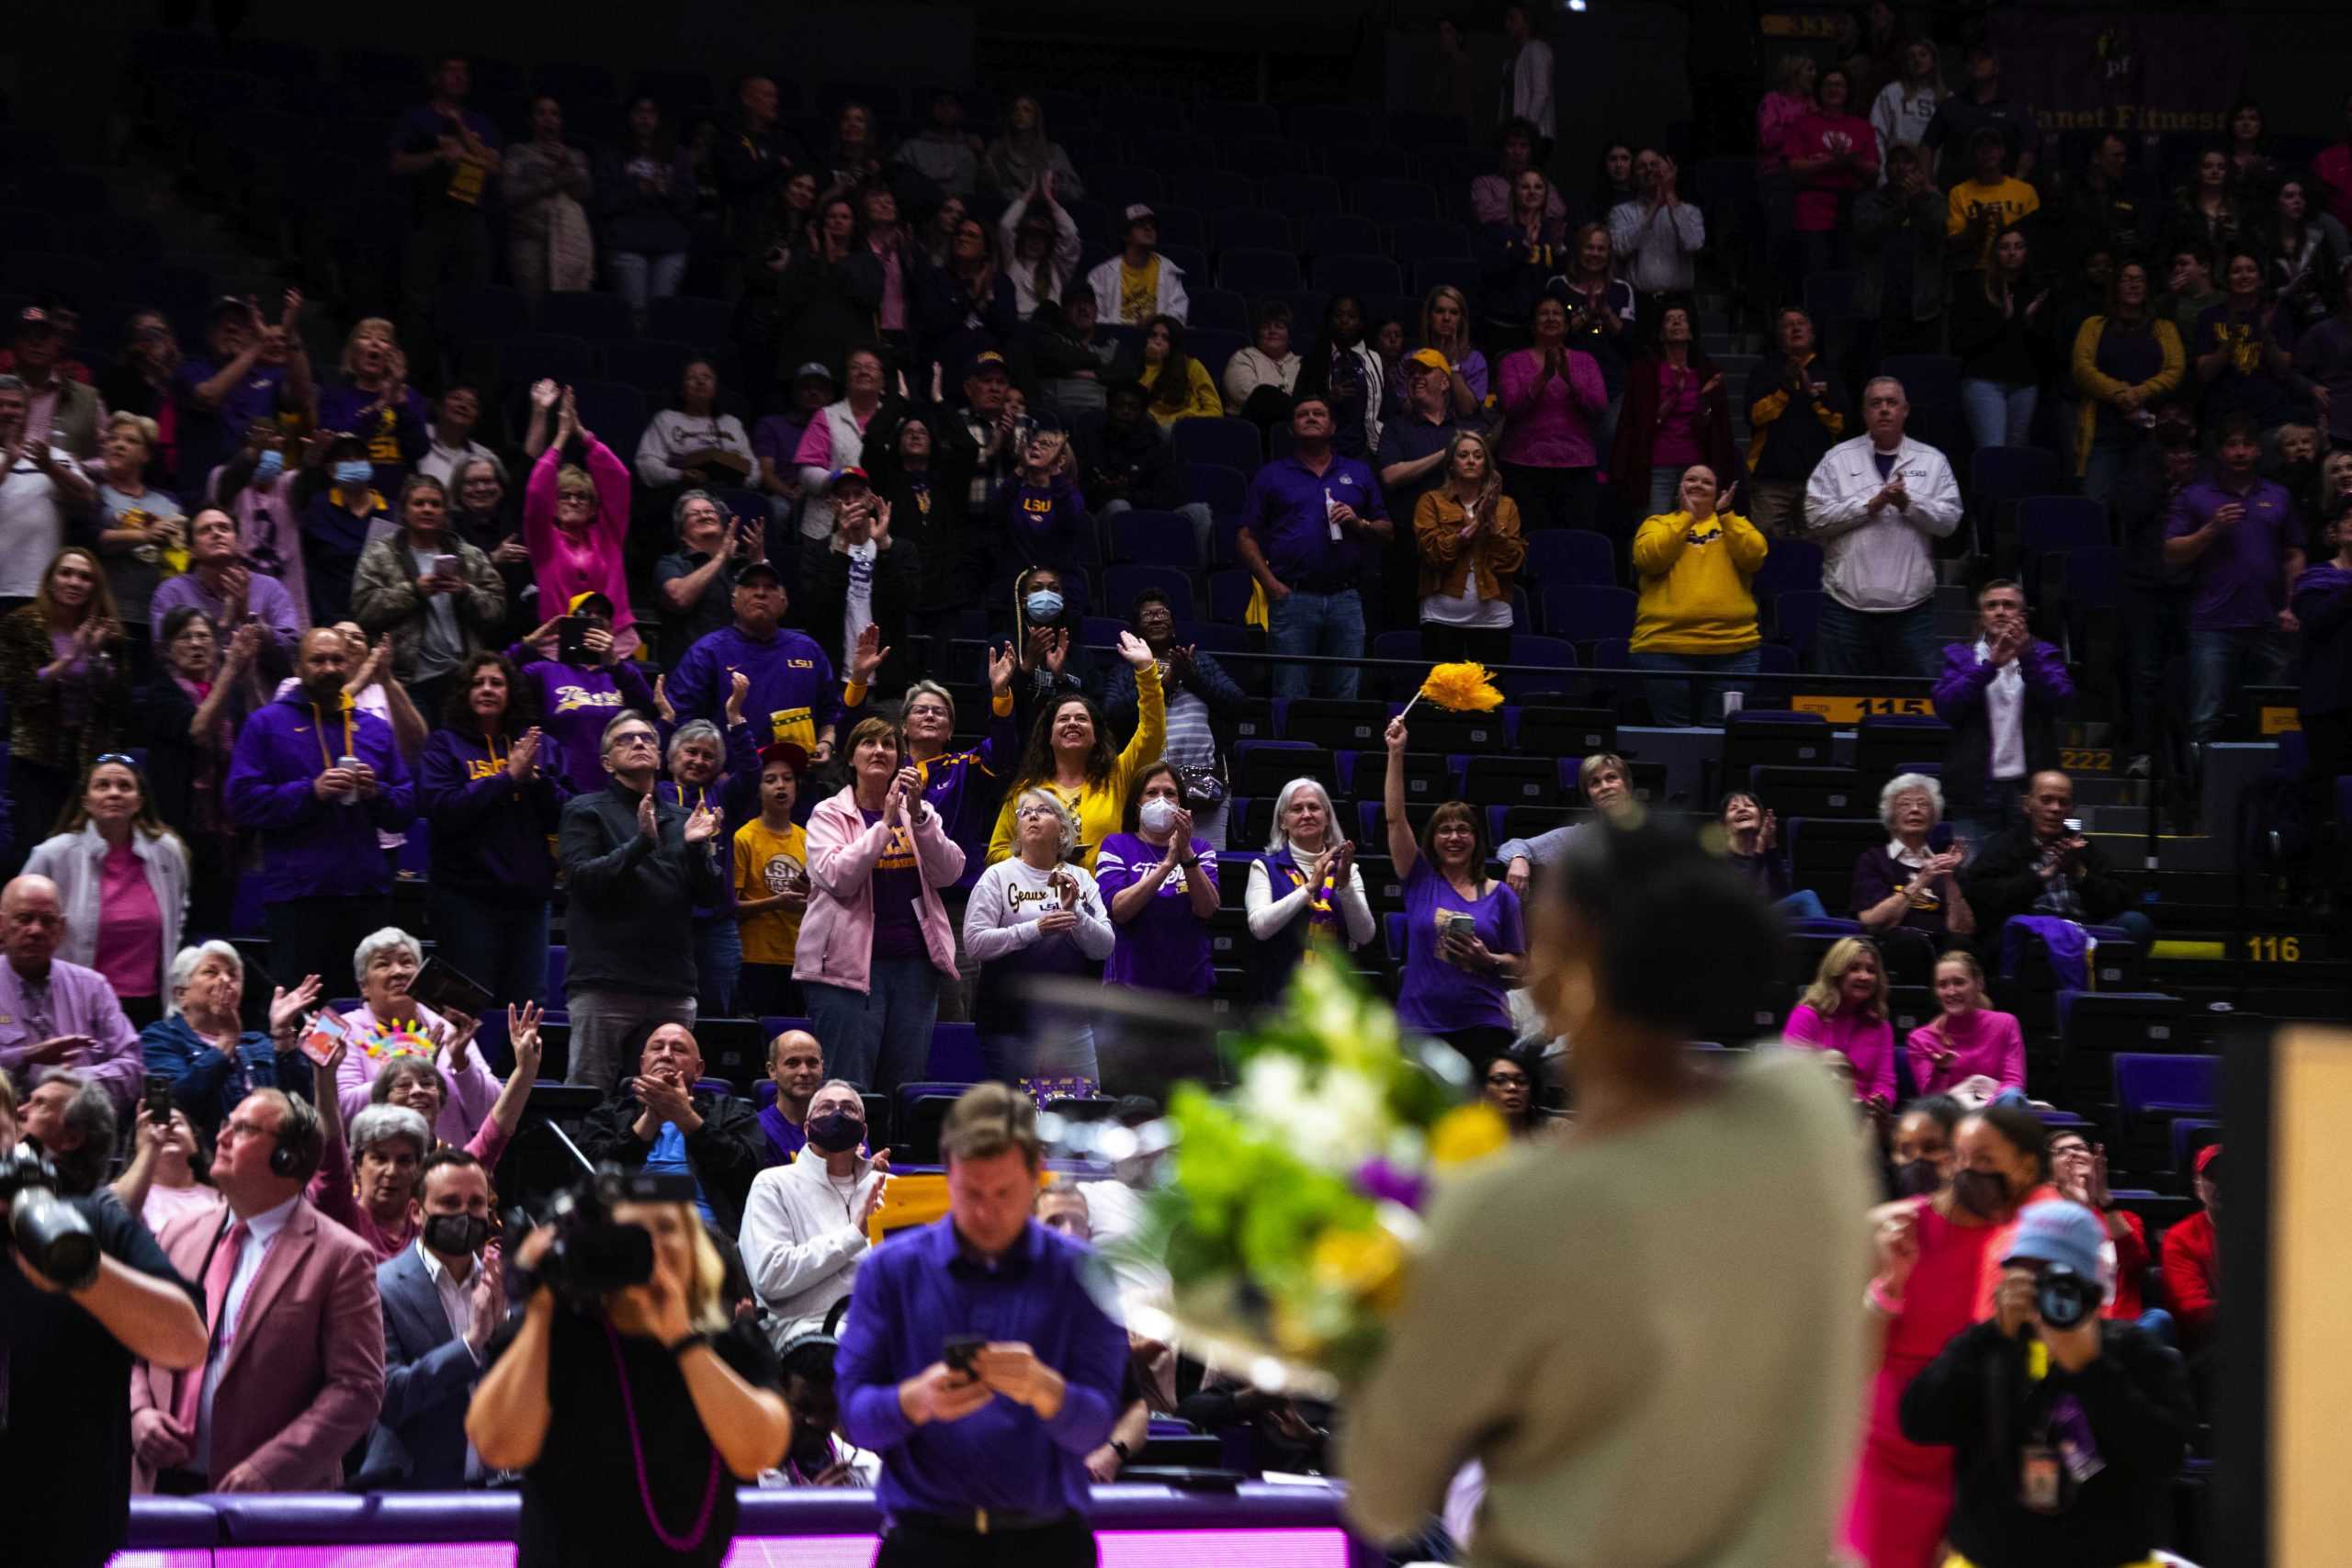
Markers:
point(1302, 533)
point(661, 1120)
point(985, 1465)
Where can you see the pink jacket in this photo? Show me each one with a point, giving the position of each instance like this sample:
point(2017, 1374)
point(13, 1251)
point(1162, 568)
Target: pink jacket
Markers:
point(566, 566)
point(837, 934)
point(1868, 1043)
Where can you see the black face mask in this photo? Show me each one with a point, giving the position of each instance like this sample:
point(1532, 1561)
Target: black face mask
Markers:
point(1982, 1193)
point(836, 1132)
point(1918, 1178)
point(453, 1235)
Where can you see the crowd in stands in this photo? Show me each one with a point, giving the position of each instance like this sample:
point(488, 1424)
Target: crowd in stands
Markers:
point(898, 664)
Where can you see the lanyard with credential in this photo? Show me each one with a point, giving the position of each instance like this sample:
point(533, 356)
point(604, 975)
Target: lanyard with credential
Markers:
point(320, 719)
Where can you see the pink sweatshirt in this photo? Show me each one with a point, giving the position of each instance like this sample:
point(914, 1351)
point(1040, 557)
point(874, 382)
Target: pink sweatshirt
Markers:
point(567, 564)
point(1982, 1042)
point(1868, 1043)
point(1551, 419)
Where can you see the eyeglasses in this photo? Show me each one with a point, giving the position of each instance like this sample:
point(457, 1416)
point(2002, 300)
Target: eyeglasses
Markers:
point(1034, 811)
point(1506, 1080)
point(245, 1128)
point(635, 738)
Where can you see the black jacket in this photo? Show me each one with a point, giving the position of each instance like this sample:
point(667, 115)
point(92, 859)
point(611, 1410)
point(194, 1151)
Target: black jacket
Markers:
point(1133, 463)
point(1976, 1399)
point(1792, 438)
point(724, 1153)
point(1206, 681)
point(630, 923)
point(2003, 881)
point(824, 598)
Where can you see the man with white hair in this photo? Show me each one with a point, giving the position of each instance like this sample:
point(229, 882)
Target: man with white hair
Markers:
point(804, 1224)
point(1874, 502)
point(53, 1013)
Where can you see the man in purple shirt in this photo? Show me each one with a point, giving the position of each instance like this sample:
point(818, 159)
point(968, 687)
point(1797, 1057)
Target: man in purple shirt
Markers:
point(53, 1013)
point(448, 153)
point(227, 590)
point(257, 373)
point(981, 1362)
point(1302, 533)
point(794, 695)
point(2236, 536)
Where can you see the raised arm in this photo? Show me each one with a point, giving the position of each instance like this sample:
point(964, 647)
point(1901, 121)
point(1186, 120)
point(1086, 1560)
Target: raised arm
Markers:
point(1402, 847)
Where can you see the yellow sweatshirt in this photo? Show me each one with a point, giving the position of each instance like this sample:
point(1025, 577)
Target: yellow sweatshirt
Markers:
point(1202, 400)
point(1101, 810)
point(1695, 597)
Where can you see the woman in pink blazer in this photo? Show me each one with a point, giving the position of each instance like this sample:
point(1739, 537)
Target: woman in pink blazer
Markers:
point(876, 940)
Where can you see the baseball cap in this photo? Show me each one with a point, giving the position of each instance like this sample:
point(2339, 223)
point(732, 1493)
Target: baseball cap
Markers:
point(834, 479)
point(2059, 1232)
point(815, 368)
point(2207, 1159)
point(1139, 212)
point(762, 569)
point(982, 363)
point(786, 751)
point(1430, 358)
point(589, 597)
point(32, 318)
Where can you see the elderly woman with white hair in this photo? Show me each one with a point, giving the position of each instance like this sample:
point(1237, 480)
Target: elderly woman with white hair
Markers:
point(390, 1024)
point(202, 1045)
point(720, 771)
point(1036, 915)
point(1322, 898)
point(1912, 883)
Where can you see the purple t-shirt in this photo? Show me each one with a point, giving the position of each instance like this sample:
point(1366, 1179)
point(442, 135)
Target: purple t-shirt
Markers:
point(1166, 948)
point(2241, 579)
point(897, 883)
point(776, 438)
point(1437, 997)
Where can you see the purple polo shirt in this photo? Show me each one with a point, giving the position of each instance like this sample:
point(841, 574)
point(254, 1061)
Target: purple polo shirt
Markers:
point(69, 1000)
point(1286, 510)
point(2241, 579)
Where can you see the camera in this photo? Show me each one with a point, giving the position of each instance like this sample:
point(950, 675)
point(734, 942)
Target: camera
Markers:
point(591, 1254)
point(2064, 1298)
point(53, 1233)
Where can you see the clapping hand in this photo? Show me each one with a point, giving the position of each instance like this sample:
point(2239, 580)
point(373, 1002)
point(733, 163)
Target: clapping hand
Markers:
point(284, 1006)
point(1135, 651)
point(661, 700)
point(545, 394)
point(1180, 836)
point(898, 806)
point(739, 687)
point(522, 758)
point(702, 822)
point(866, 657)
point(1001, 667)
point(648, 821)
point(1896, 1238)
point(666, 1100)
point(489, 1292)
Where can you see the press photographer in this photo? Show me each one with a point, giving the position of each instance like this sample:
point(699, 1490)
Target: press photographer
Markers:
point(2067, 1427)
point(84, 1289)
point(628, 1401)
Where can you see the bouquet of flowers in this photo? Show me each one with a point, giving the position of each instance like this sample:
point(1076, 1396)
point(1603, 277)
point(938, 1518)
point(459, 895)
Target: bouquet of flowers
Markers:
point(1294, 1211)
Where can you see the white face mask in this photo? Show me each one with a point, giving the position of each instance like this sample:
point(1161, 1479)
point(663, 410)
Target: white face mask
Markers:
point(1156, 815)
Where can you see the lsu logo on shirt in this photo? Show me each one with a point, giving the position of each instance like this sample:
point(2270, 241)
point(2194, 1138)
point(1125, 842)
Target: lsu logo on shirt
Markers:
point(1705, 533)
point(784, 873)
point(572, 699)
point(479, 767)
point(1037, 506)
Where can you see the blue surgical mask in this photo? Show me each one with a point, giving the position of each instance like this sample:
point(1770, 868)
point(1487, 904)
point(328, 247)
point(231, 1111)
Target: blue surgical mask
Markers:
point(357, 471)
point(1043, 605)
point(269, 465)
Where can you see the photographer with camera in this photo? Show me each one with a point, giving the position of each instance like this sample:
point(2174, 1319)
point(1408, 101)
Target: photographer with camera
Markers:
point(86, 1291)
point(983, 1435)
point(2067, 1427)
point(295, 1373)
point(622, 1392)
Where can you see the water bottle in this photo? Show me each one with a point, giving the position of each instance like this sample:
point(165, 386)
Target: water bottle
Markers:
point(351, 795)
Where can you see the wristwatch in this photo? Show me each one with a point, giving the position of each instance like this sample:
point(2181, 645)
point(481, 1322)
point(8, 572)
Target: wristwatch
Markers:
point(684, 1343)
point(1120, 1448)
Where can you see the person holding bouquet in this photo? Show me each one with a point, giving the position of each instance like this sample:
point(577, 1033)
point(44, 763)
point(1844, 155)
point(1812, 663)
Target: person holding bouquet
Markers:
point(1463, 941)
point(1610, 1427)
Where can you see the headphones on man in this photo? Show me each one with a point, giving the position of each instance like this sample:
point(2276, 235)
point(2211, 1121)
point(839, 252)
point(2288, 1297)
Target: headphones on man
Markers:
point(302, 1141)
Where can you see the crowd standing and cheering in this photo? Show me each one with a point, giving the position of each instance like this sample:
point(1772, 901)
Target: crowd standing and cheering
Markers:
point(904, 659)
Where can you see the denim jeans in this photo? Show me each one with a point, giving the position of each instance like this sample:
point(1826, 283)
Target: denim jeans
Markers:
point(1666, 489)
point(1886, 642)
point(1672, 703)
point(882, 1038)
point(719, 956)
point(1327, 623)
point(2222, 660)
point(602, 1024)
point(502, 947)
point(640, 277)
point(1998, 414)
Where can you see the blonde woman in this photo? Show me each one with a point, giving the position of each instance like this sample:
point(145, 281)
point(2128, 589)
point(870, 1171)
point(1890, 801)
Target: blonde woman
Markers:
point(1467, 532)
point(373, 402)
point(575, 519)
point(623, 1410)
point(1697, 614)
point(1843, 1011)
point(140, 528)
point(1445, 327)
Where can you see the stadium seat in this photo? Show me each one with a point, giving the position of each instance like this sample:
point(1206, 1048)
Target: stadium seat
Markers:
point(1256, 157)
point(1229, 592)
point(1237, 117)
point(1584, 612)
point(2151, 1091)
point(597, 318)
point(707, 324)
point(1262, 767)
point(1796, 619)
point(1364, 276)
point(530, 357)
point(916, 1112)
point(615, 411)
point(1303, 195)
point(1564, 556)
point(1829, 295)
point(650, 365)
point(1459, 272)
point(1122, 583)
point(1567, 732)
point(1338, 234)
point(1231, 442)
point(1254, 272)
point(1428, 239)
point(1152, 538)
point(1389, 202)
point(1250, 228)
point(1121, 185)
point(1222, 489)
point(1509, 781)
point(1217, 310)
point(1887, 743)
point(1334, 125)
point(484, 312)
point(1335, 725)
point(2095, 1026)
point(2052, 524)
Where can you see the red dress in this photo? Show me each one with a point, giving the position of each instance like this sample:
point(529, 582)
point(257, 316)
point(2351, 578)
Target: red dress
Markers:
point(1902, 1490)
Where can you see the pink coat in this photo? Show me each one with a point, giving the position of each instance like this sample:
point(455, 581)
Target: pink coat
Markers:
point(566, 566)
point(1983, 1043)
point(836, 944)
point(304, 1378)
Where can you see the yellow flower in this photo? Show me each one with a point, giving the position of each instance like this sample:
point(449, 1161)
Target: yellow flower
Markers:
point(1467, 1132)
point(1367, 1263)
